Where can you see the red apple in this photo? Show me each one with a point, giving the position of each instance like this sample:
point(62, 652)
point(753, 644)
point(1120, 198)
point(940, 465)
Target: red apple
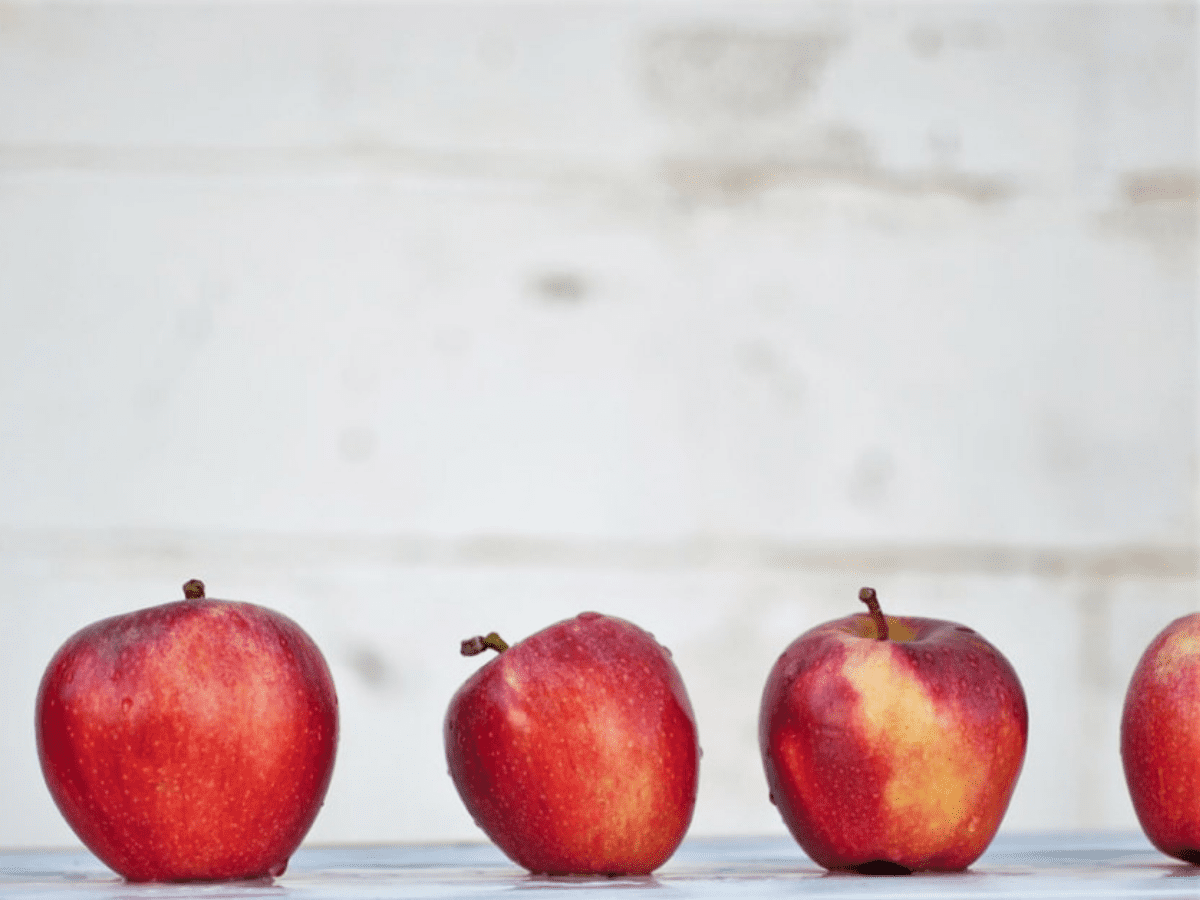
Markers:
point(1160, 740)
point(892, 744)
point(192, 741)
point(575, 750)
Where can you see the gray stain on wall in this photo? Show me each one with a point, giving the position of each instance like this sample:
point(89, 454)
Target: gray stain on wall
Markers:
point(699, 73)
point(560, 287)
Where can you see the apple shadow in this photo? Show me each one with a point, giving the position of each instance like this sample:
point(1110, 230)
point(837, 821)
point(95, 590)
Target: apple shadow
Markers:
point(876, 868)
point(881, 867)
point(1182, 870)
point(212, 890)
point(884, 869)
point(608, 882)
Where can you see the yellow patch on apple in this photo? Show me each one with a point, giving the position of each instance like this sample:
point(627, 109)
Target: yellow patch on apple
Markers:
point(930, 766)
point(1177, 656)
point(892, 744)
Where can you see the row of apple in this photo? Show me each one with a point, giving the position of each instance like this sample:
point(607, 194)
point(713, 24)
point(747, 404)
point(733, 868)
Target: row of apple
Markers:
point(195, 741)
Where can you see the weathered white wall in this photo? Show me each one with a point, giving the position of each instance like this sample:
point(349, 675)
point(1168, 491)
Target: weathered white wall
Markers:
point(414, 321)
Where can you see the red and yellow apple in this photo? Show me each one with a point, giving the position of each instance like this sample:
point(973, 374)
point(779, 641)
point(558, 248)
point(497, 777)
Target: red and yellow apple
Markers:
point(1160, 739)
point(192, 741)
point(575, 750)
point(892, 744)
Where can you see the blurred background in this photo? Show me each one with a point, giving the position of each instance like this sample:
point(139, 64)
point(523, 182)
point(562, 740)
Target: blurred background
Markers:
point(417, 320)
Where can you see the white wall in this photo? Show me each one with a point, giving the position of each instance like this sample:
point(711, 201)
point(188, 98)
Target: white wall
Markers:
point(415, 321)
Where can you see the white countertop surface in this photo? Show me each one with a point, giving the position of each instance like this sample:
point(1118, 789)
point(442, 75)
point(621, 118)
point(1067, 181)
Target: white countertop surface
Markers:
point(1059, 865)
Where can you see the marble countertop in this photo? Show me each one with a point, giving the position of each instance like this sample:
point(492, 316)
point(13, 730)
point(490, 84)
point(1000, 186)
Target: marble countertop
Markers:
point(1085, 865)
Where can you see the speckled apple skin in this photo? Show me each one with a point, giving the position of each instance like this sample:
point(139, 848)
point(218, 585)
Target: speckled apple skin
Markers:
point(904, 752)
point(189, 741)
point(576, 751)
point(1160, 739)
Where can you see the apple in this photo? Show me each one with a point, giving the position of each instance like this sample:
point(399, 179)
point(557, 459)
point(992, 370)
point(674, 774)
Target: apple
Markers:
point(192, 741)
point(1160, 740)
point(892, 744)
point(575, 750)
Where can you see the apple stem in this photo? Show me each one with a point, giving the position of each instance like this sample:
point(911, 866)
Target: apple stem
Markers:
point(476, 645)
point(867, 595)
point(194, 590)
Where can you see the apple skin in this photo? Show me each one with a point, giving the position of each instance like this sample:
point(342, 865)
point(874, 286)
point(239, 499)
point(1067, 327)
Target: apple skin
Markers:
point(192, 741)
point(576, 751)
point(1160, 739)
point(895, 755)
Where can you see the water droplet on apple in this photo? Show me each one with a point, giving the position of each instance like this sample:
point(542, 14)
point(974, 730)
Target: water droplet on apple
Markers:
point(126, 705)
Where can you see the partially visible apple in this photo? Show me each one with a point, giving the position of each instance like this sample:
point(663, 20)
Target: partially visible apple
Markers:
point(192, 741)
point(575, 750)
point(892, 744)
point(1160, 739)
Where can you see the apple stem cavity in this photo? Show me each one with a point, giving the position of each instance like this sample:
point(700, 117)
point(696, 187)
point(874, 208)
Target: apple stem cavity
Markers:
point(867, 595)
point(475, 645)
point(194, 590)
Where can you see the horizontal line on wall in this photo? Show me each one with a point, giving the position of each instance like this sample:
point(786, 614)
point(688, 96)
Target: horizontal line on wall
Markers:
point(154, 548)
point(719, 175)
point(149, 161)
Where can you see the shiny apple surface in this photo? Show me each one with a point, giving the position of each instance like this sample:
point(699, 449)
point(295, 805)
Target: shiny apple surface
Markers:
point(1160, 739)
point(897, 754)
point(189, 741)
point(576, 750)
